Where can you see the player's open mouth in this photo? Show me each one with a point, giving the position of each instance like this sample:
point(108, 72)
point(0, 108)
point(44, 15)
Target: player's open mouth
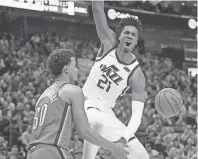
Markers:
point(128, 43)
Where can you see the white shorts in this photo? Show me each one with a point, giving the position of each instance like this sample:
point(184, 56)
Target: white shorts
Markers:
point(103, 120)
point(105, 123)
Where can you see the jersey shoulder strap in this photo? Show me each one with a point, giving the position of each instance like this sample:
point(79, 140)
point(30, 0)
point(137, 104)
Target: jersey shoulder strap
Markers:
point(59, 87)
point(101, 52)
point(48, 91)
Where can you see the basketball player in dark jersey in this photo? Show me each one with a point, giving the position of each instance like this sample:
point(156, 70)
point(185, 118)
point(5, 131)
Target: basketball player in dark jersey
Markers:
point(58, 106)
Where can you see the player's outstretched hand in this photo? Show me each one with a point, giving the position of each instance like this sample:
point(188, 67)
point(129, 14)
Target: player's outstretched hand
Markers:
point(119, 151)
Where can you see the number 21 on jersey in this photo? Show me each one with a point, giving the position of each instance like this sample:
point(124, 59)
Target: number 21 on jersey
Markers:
point(104, 83)
point(39, 116)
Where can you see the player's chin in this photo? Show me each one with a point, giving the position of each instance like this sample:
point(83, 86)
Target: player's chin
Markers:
point(127, 49)
point(130, 47)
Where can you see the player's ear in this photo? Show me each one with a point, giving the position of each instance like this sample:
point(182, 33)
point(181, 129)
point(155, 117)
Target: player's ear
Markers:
point(119, 37)
point(65, 69)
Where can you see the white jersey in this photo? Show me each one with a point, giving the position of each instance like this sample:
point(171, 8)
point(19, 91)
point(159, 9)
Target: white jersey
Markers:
point(109, 78)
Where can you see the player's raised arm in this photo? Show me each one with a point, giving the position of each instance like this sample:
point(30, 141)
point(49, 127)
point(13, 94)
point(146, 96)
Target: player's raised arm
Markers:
point(76, 99)
point(106, 35)
point(138, 98)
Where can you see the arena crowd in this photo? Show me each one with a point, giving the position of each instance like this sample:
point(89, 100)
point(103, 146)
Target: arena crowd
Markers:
point(23, 77)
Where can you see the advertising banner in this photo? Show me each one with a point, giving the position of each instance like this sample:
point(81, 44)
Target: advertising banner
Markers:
point(57, 6)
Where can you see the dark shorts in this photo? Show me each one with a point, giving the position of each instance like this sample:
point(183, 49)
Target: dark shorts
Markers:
point(42, 151)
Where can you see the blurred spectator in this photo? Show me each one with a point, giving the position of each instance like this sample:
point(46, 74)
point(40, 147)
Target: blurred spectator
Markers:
point(15, 154)
point(78, 146)
point(26, 136)
point(149, 149)
point(4, 45)
point(3, 148)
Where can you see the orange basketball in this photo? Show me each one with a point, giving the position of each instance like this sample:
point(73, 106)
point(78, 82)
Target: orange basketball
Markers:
point(168, 102)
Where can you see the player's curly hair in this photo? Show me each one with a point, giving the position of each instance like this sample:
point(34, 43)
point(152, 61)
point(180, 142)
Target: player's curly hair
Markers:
point(58, 59)
point(130, 21)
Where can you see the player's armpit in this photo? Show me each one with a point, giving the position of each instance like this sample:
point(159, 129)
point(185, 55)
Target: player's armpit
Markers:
point(105, 34)
point(138, 83)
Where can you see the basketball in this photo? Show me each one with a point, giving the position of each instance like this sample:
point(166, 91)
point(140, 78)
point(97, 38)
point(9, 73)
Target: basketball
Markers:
point(168, 102)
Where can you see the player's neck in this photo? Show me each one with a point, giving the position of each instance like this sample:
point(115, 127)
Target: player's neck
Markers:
point(121, 52)
point(63, 78)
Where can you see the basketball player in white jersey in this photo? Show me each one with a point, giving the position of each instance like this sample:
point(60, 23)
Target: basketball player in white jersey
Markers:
point(114, 72)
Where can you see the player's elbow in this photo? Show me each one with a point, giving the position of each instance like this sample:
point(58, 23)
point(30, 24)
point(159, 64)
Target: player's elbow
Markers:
point(83, 132)
point(138, 97)
point(86, 133)
point(83, 135)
